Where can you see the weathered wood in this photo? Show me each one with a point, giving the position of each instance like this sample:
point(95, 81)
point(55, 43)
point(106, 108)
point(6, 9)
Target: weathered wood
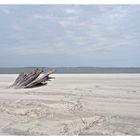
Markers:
point(27, 76)
point(42, 80)
point(18, 79)
point(31, 79)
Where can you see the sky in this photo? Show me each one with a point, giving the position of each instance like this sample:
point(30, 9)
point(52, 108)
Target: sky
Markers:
point(70, 35)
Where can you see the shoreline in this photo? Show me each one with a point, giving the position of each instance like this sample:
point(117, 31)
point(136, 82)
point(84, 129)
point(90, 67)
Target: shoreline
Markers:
point(72, 104)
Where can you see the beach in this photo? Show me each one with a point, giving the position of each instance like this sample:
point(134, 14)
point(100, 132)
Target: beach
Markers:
point(72, 104)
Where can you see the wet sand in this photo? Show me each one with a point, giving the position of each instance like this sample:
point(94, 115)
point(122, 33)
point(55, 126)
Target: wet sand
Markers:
point(72, 104)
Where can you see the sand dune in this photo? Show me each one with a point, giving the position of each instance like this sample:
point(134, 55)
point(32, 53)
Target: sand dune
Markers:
point(72, 104)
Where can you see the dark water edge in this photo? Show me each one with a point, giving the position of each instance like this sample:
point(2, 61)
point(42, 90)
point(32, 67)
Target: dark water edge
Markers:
point(72, 70)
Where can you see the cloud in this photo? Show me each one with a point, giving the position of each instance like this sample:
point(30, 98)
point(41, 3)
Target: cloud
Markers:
point(41, 16)
point(71, 11)
point(17, 27)
point(69, 30)
point(5, 10)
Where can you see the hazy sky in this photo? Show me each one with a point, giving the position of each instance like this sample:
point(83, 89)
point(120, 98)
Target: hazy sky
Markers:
point(69, 35)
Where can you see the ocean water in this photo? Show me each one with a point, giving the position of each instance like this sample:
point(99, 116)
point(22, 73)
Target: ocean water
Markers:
point(67, 70)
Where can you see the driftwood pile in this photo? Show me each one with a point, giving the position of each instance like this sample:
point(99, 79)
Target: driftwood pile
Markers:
point(32, 79)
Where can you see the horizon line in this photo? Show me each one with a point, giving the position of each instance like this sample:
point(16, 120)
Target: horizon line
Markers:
point(73, 67)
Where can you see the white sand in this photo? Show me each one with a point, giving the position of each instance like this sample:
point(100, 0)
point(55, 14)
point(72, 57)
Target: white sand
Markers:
point(72, 104)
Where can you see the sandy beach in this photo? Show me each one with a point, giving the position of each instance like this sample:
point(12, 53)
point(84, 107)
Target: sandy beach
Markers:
point(72, 104)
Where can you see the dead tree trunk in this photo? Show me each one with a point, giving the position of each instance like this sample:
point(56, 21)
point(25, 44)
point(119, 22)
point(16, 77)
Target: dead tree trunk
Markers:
point(31, 79)
point(40, 81)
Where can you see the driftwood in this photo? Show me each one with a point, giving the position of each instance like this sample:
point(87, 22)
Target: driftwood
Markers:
point(31, 79)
